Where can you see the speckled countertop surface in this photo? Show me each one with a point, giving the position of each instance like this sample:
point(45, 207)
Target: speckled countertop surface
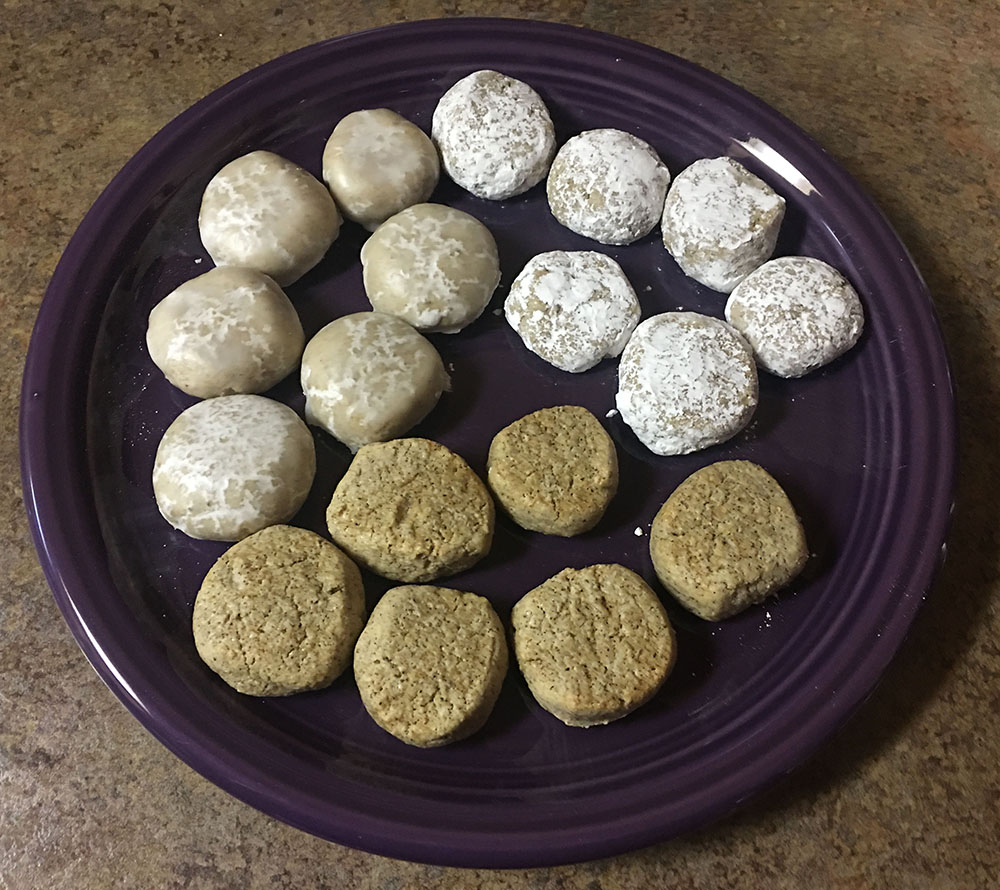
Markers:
point(906, 95)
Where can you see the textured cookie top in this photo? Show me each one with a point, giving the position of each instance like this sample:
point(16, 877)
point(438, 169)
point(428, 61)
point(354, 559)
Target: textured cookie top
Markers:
point(607, 185)
point(726, 538)
point(572, 308)
point(263, 212)
point(554, 470)
point(279, 613)
point(368, 377)
point(430, 663)
point(411, 510)
point(433, 266)
point(376, 163)
point(593, 644)
point(230, 466)
point(228, 331)
point(495, 135)
point(720, 222)
point(797, 313)
point(686, 381)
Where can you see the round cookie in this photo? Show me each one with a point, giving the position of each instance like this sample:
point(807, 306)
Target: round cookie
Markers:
point(593, 644)
point(686, 381)
point(228, 331)
point(433, 266)
point(726, 538)
point(411, 510)
point(377, 163)
point(430, 663)
point(263, 212)
point(554, 471)
point(279, 613)
point(495, 135)
point(607, 185)
point(228, 467)
point(368, 377)
point(572, 308)
point(797, 313)
point(720, 222)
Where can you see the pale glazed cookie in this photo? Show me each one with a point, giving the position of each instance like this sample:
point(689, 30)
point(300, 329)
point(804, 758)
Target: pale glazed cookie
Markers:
point(726, 538)
point(228, 467)
point(279, 613)
point(377, 163)
point(263, 212)
point(411, 510)
point(368, 377)
point(430, 663)
point(495, 135)
point(554, 471)
point(228, 331)
point(433, 266)
point(720, 222)
point(686, 381)
point(572, 308)
point(797, 313)
point(608, 185)
point(593, 644)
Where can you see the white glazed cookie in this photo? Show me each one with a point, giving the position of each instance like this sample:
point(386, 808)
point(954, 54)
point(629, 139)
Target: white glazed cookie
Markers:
point(433, 266)
point(263, 212)
point(797, 313)
point(369, 377)
point(228, 331)
point(686, 381)
point(230, 466)
point(377, 163)
point(720, 222)
point(495, 135)
point(572, 308)
point(607, 185)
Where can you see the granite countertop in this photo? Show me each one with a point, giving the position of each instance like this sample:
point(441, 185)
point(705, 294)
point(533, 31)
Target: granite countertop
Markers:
point(906, 95)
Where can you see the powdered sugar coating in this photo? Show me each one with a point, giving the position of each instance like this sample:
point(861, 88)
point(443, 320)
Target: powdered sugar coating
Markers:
point(686, 381)
point(263, 212)
point(720, 222)
point(572, 308)
point(369, 377)
point(433, 266)
point(230, 466)
point(798, 314)
point(377, 163)
point(608, 185)
point(495, 135)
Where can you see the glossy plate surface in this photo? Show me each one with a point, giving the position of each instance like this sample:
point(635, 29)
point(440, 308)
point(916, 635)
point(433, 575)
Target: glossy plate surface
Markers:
point(865, 449)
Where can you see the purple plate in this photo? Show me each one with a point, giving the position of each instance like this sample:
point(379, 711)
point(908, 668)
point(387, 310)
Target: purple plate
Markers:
point(865, 449)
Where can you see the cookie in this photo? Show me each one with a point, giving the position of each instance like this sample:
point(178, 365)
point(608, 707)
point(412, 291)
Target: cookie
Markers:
point(228, 331)
point(593, 644)
point(572, 308)
point(433, 266)
point(377, 163)
point(797, 313)
point(263, 212)
point(369, 377)
point(495, 135)
point(279, 613)
point(411, 510)
point(607, 185)
point(554, 471)
point(228, 467)
point(686, 381)
point(430, 664)
point(728, 537)
point(720, 222)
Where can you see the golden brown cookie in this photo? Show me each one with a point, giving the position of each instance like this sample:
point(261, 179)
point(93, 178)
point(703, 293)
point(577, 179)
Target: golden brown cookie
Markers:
point(726, 538)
